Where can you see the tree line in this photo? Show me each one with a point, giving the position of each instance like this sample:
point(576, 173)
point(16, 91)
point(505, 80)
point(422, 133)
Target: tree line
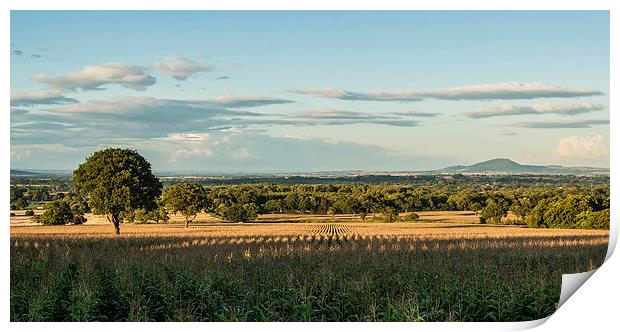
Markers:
point(119, 183)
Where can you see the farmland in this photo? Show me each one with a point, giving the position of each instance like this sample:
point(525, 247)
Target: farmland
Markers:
point(446, 267)
point(429, 248)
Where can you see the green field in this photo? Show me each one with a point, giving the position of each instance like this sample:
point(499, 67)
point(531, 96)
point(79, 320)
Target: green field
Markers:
point(295, 272)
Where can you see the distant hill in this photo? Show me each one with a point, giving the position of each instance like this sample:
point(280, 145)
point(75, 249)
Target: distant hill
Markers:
point(39, 172)
point(17, 172)
point(507, 166)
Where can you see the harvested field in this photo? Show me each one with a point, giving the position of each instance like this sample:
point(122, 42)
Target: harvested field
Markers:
point(458, 217)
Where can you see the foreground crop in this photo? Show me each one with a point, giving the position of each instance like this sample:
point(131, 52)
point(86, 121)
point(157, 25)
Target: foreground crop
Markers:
point(309, 272)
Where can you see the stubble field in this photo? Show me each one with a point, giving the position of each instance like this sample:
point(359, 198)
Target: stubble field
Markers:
point(444, 269)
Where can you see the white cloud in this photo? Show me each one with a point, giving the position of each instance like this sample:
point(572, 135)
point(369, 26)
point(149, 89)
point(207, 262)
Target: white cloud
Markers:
point(182, 68)
point(581, 148)
point(507, 90)
point(185, 137)
point(184, 153)
point(506, 110)
point(94, 77)
point(39, 98)
point(17, 155)
point(240, 153)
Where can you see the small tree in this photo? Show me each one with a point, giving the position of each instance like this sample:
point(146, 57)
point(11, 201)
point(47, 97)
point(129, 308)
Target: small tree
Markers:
point(187, 199)
point(536, 217)
point(390, 214)
point(493, 211)
point(21, 203)
point(160, 215)
point(332, 212)
point(521, 208)
point(117, 181)
point(56, 213)
point(475, 207)
point(238, 212)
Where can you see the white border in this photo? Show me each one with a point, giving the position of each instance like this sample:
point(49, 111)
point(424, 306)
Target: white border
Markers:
point(593, 306)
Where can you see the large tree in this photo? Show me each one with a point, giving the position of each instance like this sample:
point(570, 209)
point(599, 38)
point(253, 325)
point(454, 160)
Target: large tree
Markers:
point(187, 199)
point(117, 181)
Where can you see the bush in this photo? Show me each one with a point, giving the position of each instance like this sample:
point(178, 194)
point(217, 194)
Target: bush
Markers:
point(412, 217)
point(56, 213)
point(390, 214)
point(29, 213)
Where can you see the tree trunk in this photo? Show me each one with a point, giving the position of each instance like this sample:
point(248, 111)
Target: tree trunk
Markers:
point(188, 220)
point(116, 222)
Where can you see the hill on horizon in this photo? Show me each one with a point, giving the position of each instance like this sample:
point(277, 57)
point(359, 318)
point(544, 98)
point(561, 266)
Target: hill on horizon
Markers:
point(499, 166)
point(507, 166)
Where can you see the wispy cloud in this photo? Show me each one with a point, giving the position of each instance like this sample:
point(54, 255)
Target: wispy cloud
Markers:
point(508, 133)
point(506, 110)
point(510, 90)
point(562, 124)
point(149, 110)
point(493, 91)
point(416, 114)
point(365, 96)
point(39, 98)
point(182, 68)
point(239, 102)
point(96, 76)
point(338, 115)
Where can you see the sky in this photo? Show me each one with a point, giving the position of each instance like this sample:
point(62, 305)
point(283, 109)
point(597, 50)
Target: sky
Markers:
point(252, 91)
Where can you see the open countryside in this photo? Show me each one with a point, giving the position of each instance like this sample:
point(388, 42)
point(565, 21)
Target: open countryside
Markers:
point(305, 166)
point(289, 252)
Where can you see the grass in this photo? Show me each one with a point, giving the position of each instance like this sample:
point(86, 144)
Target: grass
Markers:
point(294, 272)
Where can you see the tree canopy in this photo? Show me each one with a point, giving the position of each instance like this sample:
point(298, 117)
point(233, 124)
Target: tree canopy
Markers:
point(117, 181)
point(56, 213)
point(187, 199)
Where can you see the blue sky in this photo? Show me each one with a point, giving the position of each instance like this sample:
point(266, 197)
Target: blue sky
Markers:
point(310, 91)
